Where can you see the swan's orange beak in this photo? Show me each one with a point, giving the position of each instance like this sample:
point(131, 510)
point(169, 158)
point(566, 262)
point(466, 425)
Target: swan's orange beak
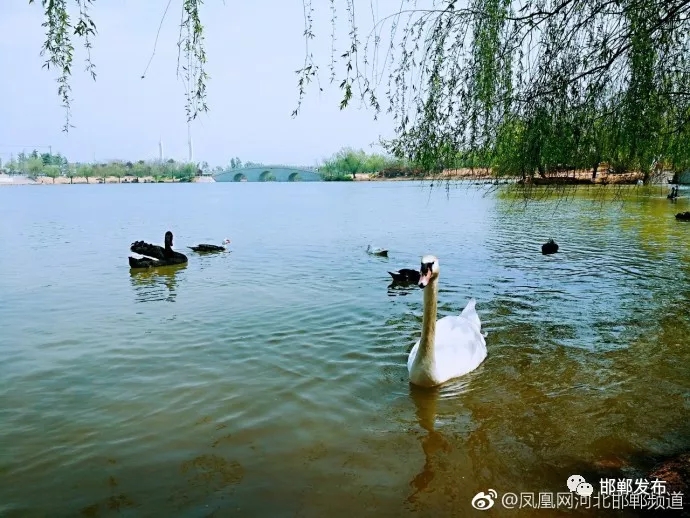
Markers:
point(424, 276)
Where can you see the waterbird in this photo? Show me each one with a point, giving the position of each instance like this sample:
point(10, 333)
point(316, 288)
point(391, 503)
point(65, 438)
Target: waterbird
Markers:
point(155, 255)
point(206, 248)
point(550, 247)
point(450, 347)
point(377, 251)
point(405, 276)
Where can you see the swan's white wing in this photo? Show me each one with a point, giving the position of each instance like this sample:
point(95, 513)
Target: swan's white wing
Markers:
point(470, 313)
point(412, 356)
point(460, 346)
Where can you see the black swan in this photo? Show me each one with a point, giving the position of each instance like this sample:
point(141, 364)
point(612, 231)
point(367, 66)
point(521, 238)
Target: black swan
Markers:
point(683, 216)
point(156, 255)
point(406, 276)
point(550, 247)
point(206, 248)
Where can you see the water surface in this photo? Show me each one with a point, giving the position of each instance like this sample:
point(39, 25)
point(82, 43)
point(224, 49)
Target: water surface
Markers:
point(271, 380)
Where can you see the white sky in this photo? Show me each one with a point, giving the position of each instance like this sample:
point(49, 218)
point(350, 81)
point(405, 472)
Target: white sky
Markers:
point(253, 52)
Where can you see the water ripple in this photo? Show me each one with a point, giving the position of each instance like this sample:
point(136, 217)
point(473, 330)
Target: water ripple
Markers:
point(273, 378)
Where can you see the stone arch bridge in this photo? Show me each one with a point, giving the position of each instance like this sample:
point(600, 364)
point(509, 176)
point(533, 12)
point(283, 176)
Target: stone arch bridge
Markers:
point(268, 174)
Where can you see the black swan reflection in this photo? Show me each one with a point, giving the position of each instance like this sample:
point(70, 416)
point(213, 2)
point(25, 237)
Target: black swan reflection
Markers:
point(156, 284)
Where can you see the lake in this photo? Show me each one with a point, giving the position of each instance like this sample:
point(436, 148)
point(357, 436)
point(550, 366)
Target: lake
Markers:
point(272, 380)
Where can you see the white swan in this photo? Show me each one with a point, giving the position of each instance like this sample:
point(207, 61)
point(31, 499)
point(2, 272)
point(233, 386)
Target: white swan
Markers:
point(449, 348)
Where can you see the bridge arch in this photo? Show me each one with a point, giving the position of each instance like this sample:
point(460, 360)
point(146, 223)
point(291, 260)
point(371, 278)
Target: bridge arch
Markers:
point(264, 173)
point(267, 176)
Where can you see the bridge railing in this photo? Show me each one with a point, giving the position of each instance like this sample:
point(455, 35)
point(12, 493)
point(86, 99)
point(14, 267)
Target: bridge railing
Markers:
point(311, 169)
point(256, 173)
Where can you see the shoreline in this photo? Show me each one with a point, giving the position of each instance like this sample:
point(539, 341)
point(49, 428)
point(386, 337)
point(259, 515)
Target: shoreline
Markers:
point(579, 177)
point(6, 179)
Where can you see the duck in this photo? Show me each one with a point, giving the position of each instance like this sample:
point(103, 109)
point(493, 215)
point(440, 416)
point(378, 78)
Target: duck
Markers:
point(550, 247)
point(205, 248)
point(683, 216)
point(157, 255)
point(377, 251)
point(449, 348)
point(405, 276)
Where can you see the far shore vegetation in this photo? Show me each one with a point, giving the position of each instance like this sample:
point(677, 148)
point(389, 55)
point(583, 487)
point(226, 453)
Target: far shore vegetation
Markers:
point(348, 164)
point(36, 165)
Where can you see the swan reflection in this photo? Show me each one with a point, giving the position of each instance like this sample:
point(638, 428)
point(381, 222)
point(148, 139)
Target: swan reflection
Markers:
point(156, 283)
point(426, 401)
point(433, 442)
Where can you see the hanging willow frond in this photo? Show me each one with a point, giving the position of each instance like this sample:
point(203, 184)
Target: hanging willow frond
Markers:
point(59, 50)
point(527, 86)
point(518, 86)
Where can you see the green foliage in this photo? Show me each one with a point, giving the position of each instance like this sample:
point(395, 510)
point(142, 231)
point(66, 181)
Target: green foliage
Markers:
point(524, 87)
point(35, 163)
point(141, 169)
point(34, 166)
point(58, 44)
point(235, 163)
point(51, 171)
point(158, 171)
point(338, 177)
point(62, 22)
point(12, 166)
point(85, 171)
point(71, 172)
point(347, 162)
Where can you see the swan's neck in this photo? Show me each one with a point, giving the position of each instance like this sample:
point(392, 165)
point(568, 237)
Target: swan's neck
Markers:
point(426, 344)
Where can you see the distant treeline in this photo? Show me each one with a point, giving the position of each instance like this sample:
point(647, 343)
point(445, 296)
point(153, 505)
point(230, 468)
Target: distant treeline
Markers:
point(346, 163)
point(53, 166)
point(36, 164)
point(342, 166)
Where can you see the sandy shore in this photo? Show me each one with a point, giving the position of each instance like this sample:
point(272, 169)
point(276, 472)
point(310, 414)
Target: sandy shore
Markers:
point(577, 176)
point(448, 174)
point(62, 180)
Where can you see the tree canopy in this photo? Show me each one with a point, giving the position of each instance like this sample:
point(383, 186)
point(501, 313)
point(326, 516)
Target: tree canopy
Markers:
point(520, 86)
point(348, 162)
